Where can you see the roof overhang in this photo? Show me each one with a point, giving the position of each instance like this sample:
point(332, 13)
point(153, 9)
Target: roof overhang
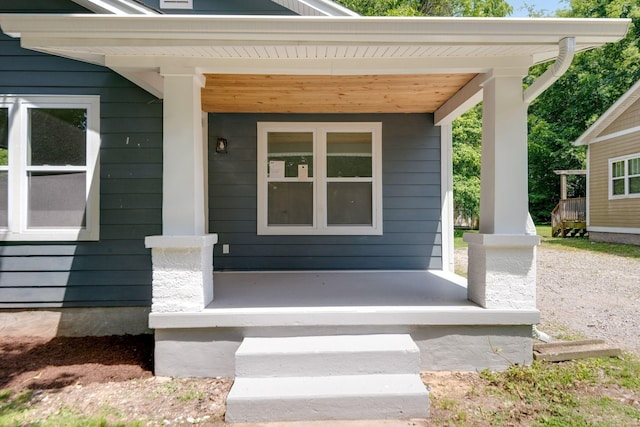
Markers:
point(145, 47)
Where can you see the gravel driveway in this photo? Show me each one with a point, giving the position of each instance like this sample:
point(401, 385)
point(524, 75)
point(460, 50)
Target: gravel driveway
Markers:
point(586, 294)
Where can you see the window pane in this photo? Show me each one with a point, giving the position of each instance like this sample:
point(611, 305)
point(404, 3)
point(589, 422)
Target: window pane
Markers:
point(290, 203)
point(4, 136)
point(349, 154)
point(56, 199)
point(4, 199)
point(617, 169)
point(618, 187)
point(634, 185)
point(634, 166)
point(57, 136)
point(349, 203)
point(290, 150)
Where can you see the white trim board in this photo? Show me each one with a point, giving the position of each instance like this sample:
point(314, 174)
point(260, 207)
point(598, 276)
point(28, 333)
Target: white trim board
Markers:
point(620, 230)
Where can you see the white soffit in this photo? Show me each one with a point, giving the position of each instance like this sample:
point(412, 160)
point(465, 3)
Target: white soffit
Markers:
point(316, 7)
point(615, 111)
point(295, 38)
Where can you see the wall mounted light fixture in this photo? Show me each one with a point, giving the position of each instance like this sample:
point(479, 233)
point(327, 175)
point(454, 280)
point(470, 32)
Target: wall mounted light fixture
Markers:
point(221, 146)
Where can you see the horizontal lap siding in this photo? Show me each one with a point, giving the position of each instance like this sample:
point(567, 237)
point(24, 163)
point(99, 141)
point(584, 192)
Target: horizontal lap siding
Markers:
point(115, 271)
point(411, 201)
point(227, 7)
point(602, 211)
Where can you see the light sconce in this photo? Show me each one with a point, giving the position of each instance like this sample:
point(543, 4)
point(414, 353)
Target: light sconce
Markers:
point(221, 146)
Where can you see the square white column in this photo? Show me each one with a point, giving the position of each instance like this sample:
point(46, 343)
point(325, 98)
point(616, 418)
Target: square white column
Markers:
point(183, 178)
point(502, 258)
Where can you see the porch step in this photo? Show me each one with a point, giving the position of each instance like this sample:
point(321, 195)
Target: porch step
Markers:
point(327, 355)
point(327, 398)
point(327, 378)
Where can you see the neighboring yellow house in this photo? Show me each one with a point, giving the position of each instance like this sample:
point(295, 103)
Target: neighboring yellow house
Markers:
point(613, 178)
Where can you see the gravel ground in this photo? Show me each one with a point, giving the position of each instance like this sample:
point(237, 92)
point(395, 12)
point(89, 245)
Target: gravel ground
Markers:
point(582, 294)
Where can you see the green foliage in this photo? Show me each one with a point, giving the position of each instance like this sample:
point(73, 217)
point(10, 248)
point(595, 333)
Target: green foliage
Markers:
point(476, 8)
point(467, 140)
point(595, 80)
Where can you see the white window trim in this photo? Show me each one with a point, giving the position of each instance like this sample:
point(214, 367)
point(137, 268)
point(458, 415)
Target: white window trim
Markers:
point(17, 178)
point(626, 194)
point(319, 130)
point(176, 4)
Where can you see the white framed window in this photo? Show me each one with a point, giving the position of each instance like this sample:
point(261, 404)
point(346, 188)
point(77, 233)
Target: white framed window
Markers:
point(49, 169)
point(624, 176)
point(320, 178)
point(176, 4)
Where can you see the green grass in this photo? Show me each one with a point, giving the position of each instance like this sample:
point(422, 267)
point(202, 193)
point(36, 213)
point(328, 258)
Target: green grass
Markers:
point(15, 408)
point(570, 393)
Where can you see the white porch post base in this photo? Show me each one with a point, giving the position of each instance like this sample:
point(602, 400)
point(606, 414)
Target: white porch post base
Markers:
point(182, 272)
point(502, 270)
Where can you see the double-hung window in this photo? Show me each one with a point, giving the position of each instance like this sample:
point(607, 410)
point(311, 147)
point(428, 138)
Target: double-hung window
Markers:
point(320, 178)
point(624, 176)
point(49, 177)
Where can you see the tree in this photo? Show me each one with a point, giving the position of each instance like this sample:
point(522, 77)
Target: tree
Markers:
point(595, 80)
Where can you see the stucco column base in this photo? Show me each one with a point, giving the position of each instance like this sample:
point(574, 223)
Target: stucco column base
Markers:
point(502, 270)
point(182, 272)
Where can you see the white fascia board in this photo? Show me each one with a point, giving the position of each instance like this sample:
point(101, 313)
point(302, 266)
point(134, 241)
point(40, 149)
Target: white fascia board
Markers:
point(306, 29)
point(316, 7)
point(116, 7)
point(620, 106)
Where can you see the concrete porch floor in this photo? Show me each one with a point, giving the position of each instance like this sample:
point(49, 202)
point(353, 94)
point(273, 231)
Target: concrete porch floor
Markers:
point(338, 289)
point(337, 298)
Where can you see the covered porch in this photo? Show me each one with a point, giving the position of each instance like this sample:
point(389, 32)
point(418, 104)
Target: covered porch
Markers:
point(259, 64)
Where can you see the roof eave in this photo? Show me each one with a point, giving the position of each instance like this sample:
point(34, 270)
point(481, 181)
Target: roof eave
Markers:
point(590, 32)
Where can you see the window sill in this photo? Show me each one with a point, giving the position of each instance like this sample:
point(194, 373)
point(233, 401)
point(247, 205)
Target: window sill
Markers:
point(50, 236)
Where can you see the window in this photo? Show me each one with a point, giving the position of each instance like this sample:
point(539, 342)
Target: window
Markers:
point(624, 177)
point(176, 4)
point(319, 178)
point(49, 179)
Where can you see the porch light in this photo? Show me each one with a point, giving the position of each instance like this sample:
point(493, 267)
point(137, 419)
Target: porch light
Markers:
point(221, 146)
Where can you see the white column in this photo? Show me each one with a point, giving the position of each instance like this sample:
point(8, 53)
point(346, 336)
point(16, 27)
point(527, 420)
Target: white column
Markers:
point(183, 255)
point(183, 172)
point(503, 186)
point(502, 257)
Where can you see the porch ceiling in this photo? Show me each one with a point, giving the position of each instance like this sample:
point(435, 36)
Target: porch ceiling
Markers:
point(257, 93)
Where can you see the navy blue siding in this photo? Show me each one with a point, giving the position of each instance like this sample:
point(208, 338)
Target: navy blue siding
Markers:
point(40, 6)
point(115, 271)
point(411, 201)
point(227, 7)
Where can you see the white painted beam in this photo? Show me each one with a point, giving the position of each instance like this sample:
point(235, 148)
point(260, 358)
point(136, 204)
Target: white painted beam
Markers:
point(465, 99)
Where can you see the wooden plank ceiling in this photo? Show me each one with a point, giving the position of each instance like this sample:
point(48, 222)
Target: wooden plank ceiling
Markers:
point(257, 93)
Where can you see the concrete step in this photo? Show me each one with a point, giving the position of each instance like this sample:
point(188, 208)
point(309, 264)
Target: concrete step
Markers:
point(342, 397)
point(327, 355)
